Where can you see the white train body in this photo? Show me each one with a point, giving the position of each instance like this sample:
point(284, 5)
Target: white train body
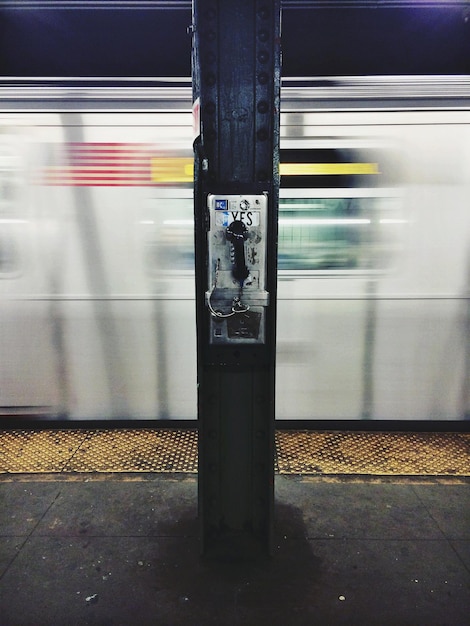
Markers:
point(97, 317)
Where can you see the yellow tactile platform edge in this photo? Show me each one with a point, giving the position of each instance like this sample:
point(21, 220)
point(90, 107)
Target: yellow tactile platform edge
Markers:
point(174, 450)
point(389, 454)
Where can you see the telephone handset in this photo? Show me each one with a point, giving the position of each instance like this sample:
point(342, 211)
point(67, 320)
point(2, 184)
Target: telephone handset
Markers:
point(237, 296)
point(237, 234)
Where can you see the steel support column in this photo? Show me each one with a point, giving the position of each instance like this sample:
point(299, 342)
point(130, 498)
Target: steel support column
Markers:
point(236, 87)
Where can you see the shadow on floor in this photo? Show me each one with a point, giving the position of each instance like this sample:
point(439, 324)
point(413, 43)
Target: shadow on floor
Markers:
point(240, 592)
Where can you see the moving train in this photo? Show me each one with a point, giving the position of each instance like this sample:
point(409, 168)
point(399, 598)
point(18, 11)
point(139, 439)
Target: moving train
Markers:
point(97, 315)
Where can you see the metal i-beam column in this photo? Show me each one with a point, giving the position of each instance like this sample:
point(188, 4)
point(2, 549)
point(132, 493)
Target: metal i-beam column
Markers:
point(236, 90)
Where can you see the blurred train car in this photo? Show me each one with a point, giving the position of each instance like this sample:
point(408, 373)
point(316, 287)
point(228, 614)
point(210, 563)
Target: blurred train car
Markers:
point(97, 313)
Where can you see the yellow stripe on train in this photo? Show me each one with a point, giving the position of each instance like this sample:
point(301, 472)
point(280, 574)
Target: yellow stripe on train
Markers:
point(326, 169)
point(180, 169)
point(172, 169)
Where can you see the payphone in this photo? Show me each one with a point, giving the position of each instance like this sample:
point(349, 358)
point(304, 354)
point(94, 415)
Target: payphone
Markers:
point(237, 295)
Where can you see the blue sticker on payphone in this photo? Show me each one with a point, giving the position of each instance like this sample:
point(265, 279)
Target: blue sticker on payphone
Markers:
point(221, 205)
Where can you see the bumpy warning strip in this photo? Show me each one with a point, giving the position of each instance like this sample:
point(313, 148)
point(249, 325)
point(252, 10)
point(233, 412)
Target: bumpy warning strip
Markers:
point(175, 450)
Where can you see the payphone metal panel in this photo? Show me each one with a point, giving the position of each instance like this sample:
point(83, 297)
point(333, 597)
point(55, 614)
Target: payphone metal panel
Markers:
point(237, 295)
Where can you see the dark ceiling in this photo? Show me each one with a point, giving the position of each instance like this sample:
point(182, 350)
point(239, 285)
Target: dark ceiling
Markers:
point(67, 39)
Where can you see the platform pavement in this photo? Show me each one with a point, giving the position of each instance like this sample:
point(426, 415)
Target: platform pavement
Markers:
point(123, 550)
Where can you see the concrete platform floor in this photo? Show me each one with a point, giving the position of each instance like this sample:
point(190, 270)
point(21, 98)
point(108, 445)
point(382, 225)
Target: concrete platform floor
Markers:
point(123, 551)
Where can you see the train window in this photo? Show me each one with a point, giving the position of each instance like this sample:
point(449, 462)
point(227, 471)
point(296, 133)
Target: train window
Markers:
point(328, 234)
point(168, 235)
point(9, 256)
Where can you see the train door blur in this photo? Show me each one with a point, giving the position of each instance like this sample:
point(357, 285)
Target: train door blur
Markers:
point(422, 339)
point(96, 270)
point(373, 313)
point(128, 305)
point(326, 314)
point(334, 193)
point(30, 365)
